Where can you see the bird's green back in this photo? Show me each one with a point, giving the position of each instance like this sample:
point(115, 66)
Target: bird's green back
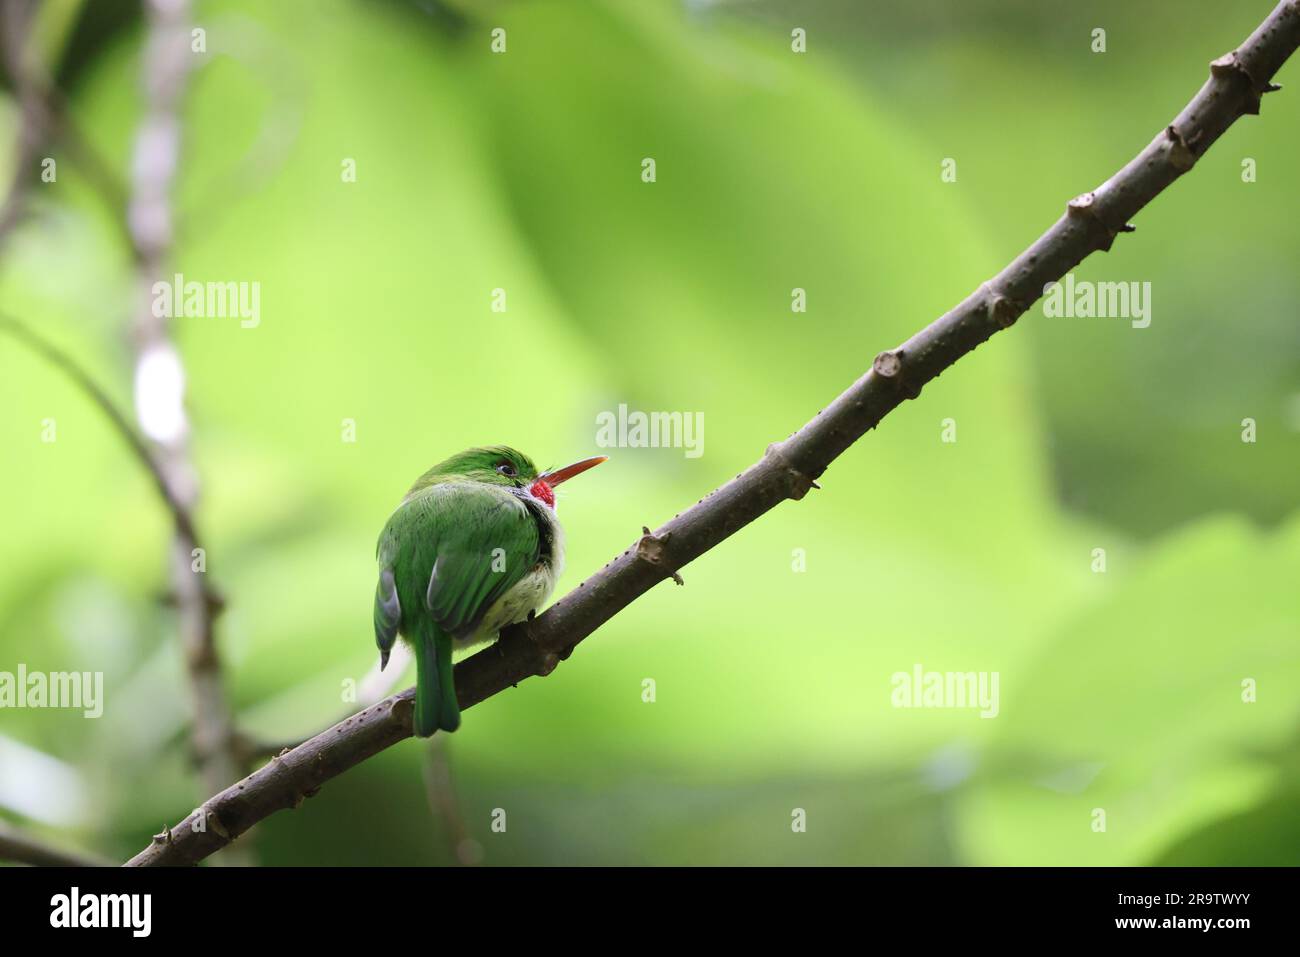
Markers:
point(460, 540)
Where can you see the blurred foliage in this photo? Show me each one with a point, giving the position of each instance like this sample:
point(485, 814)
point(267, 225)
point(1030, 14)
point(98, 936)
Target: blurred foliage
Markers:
point(1120, 690)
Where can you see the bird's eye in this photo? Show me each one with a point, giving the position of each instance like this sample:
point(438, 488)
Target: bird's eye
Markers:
point(506, 469)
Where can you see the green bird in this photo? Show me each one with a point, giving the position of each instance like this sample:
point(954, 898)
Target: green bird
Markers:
point(474, 546)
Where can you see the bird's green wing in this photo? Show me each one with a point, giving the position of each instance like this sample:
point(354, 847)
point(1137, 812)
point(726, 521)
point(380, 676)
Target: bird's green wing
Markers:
point(491, 545)
point(453, 550)
point(388, 614)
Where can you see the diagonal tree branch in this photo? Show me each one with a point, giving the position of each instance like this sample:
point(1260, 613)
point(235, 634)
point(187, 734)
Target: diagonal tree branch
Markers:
point(786, 471)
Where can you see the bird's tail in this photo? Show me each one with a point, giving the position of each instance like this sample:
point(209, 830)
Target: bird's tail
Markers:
point(436, 707)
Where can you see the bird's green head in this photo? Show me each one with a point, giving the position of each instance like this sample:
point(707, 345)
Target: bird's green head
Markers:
point(502, 465)
point(495, 465)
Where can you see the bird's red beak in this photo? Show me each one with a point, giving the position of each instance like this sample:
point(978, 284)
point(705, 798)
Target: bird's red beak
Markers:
point(556, 476)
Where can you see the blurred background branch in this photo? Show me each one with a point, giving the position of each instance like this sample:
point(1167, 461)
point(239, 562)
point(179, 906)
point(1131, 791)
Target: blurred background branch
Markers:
point(20, 847)
point(145, 220)
point(19, 56)
point(444, 804)
point(160, 377)
point(29, 33)
point(60, 359)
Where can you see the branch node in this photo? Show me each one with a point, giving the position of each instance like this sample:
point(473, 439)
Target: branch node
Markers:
point(214, 823)
point(1002, 310)
point(402, 711)
point(1180, 155)
point(888, 364)
point(800, 483)
point(547, 663)
point(1230, 65)
point(1085, 207)
point(652, 548)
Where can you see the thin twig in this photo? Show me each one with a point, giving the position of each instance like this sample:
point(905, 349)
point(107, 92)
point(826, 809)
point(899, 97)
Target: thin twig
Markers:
point(45, 119)
point(104, 180)
point(34, 122)
point(21, 848)
point(444, 803)
point(787, 471)
point(65, 363)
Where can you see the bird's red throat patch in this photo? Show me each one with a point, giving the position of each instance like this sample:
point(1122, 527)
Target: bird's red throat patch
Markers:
point(540, 490)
